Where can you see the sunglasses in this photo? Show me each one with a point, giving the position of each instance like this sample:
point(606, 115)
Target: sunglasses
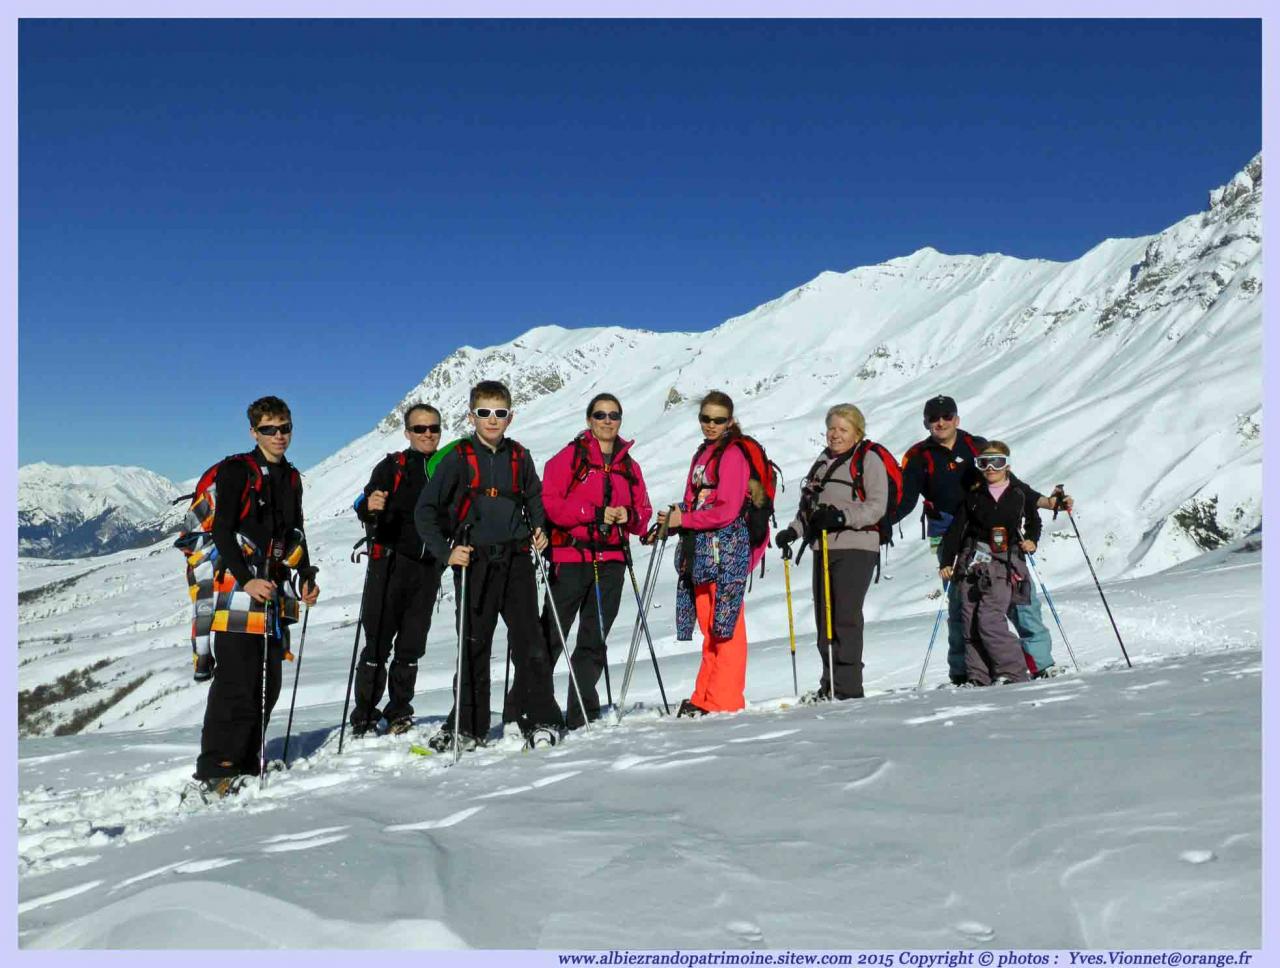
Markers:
point(502, 413)
point(425, 428)
point(991, 463)
point(940, 416)
point(270, 430)
point(706, 418)
point(607, 415)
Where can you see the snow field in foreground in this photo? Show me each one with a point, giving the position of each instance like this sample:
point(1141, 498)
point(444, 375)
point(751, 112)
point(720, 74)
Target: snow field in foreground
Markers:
point(1109, 808)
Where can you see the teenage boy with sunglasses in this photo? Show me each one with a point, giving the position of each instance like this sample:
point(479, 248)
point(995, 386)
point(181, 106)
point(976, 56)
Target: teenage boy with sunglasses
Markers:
point(941, 469)
point(257, 528)
point(403, 578)
point(489, 483)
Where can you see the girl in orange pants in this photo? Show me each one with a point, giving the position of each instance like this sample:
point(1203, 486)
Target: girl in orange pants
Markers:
point(714, 558)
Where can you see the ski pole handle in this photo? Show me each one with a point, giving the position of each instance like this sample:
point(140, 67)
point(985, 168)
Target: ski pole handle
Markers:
point(1059, 491)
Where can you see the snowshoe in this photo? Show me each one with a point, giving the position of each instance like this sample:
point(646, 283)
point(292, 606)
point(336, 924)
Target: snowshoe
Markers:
point(203, 668)
point(400, 725)
point(541, 736)
point(442, 742)
point(213, 789)
point(689, 710)
point(1050, 672)
point(364, 727)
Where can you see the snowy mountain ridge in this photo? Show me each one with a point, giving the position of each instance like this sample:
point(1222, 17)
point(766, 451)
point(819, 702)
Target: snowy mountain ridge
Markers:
point(70, 512)
point(1131, 374)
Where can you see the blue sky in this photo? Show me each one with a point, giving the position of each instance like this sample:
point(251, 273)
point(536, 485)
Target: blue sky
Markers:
point(213, 210)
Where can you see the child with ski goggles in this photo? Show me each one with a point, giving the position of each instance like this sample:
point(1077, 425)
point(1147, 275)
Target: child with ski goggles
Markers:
point(997, 523)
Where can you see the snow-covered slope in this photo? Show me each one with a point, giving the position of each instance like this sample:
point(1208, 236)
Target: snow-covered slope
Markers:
point(1113, 808)
point(1132, 374)
point(71, 512)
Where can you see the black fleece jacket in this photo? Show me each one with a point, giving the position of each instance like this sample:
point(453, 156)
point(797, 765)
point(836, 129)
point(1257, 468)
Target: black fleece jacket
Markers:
point(979, 513)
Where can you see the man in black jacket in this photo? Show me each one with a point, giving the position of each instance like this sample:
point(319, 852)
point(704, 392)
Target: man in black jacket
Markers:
point(489, 482)
point(941, 469)
point(403, 578)
point(257, 530)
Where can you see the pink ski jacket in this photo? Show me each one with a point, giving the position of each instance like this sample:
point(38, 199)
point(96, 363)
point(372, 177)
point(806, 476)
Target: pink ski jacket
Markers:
point(577, 485)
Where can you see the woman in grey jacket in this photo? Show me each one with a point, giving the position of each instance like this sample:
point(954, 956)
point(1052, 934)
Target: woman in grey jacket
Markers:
point(845, 493)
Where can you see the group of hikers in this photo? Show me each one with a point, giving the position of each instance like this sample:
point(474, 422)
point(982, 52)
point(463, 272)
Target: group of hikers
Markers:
point(478, 506)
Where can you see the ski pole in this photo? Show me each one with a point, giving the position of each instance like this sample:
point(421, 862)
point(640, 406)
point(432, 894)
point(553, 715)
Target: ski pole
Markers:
point(355, 647)
point(826, 583)
point(937, 621)
point(648, 636)
point(266, 638)
point(464, 535)
point(555, 614)
point(791, 620)
point(1031, 567)
point(635, 629)
point(604, 647)
point(309, 577)
point(643, 601)
point(262, 746)
point(1097, 585)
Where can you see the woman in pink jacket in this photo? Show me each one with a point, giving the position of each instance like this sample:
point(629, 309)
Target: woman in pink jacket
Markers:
point(714, 559)
point(594, 496)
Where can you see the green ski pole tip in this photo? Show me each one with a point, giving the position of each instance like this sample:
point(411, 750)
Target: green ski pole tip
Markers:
point(421, 750)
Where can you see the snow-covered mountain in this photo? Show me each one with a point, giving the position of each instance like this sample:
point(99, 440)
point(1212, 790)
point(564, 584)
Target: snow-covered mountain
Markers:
point(1133, 374)
point(74, 512)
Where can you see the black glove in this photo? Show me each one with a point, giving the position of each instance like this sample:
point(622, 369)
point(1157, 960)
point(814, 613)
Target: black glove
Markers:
point(826, 518)
point(784, 537)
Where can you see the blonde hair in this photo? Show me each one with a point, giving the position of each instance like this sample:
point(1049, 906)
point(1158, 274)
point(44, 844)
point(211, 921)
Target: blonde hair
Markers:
point(996, 447)
point(848, 412)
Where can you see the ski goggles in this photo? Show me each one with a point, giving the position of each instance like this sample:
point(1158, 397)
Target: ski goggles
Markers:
point(614, 415)
point(706, 418)
point(502, 413)
point(270, 430)
point(991, 461)
point(425, 428)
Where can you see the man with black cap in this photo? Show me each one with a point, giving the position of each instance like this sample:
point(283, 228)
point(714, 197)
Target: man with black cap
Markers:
point(940, 469)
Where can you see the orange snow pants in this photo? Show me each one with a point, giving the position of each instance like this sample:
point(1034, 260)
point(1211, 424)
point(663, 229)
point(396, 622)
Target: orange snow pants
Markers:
point(722, 677)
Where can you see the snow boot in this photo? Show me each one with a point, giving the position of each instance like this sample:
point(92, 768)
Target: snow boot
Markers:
point(688, 709)
point(212, 789)
point(442, 742)
point(540, 736)
point(399, 725)
point(816, 696)
point(364, 727)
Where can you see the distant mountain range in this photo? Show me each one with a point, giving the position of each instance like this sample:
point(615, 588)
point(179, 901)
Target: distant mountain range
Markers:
point(76, 512)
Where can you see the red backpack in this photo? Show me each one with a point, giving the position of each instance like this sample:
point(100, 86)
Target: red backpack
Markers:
point(758, 506)
point(856, 458)
point(196, 536)
point(462, 507)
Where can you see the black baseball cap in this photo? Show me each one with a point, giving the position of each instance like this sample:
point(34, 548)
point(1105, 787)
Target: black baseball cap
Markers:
point(938, 406)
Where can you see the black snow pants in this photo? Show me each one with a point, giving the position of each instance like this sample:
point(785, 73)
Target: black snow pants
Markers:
point(573, 589)
point(231, 738)
point(398, 607)
point(501, 580)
